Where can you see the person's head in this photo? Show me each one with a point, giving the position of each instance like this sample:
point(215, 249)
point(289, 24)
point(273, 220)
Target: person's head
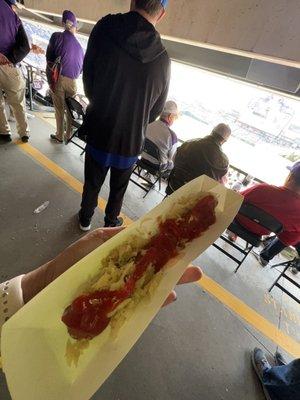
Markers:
point(69, 21)
point(170, 113)
point(152, 10)
point(293, 180)
point(221, 132)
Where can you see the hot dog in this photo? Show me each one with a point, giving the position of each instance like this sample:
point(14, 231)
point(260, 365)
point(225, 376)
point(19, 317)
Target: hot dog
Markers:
point(132, 270)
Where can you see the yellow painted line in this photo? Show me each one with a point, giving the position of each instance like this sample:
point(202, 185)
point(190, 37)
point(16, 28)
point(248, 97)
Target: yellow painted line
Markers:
point(228, 299)
point(62, 174)
point(251, 316)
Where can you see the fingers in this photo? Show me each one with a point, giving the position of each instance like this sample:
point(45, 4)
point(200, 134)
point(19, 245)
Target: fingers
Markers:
point(105, 234)
point(191, 274)
point(170, 299)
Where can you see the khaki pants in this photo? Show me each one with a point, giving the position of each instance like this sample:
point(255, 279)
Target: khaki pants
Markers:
point(66, 87)
point(13, 85)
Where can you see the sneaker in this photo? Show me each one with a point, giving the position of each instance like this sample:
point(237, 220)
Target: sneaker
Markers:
point(25, 139)
point(261, 365)
point(5, 137)
point(108, 224)
point(296, 266)
point(55, 138)
point(261, 260)
point(84, 224)
point(280, 360)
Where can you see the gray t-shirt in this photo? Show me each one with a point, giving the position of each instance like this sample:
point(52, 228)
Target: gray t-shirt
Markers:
point(166, 140)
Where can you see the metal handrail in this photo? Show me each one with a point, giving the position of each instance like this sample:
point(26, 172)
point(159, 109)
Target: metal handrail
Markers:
point(31, 71)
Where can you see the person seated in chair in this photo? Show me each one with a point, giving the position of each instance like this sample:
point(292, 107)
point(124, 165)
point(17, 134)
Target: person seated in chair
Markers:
point(201, 157)
point(283, 203)
point(161, 134)
point(280, 380)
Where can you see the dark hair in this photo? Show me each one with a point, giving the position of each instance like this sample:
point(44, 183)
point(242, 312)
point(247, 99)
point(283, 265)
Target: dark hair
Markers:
point(152, 7)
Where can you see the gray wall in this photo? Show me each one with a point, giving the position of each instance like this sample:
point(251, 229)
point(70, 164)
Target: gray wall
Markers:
point(267, 29)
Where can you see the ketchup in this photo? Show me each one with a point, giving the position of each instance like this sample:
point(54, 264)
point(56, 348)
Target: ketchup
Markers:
point(87, 316)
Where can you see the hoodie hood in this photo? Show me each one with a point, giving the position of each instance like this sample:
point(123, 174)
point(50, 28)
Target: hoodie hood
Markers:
point(134, 34)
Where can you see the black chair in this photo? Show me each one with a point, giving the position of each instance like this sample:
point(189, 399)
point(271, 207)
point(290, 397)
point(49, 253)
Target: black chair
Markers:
point(287, 264)
point(76, 110)
point(146, 166)
point(257, 215)
point(295, 263)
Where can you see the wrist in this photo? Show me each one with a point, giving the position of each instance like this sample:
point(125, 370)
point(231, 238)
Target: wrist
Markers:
point(11, 298)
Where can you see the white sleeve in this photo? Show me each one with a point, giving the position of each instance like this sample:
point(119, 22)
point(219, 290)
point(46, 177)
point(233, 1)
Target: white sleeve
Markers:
point(11, 298)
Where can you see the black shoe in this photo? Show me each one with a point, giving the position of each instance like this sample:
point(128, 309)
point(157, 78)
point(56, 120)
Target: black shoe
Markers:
point(296, 266)
point(84, 223)
point(261, 260)
point(54, 137)
point(5, 138)
point(25, 139)
point(261, 365)
point(109, 224)
point(280, 360)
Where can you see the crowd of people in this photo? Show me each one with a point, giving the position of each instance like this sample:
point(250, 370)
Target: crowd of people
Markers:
point(126, 75)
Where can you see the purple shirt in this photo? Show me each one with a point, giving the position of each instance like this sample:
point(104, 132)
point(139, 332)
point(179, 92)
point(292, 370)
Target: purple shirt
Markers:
point(9, 26)
point(65, 45)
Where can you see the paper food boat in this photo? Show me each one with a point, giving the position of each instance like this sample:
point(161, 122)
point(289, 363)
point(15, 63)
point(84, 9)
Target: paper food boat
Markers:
point(33, 342)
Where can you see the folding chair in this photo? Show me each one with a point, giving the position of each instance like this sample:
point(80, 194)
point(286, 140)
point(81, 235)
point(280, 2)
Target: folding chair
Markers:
point(287, 264)
point(77, 111)
point(144, 165)
point(251, 240)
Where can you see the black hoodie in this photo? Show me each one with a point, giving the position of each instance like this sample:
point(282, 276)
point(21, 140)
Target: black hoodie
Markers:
point(126, 78)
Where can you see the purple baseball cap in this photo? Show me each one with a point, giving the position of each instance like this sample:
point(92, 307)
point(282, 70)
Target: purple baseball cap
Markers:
point(295, 169)
point(69, 17)
point(164, 3)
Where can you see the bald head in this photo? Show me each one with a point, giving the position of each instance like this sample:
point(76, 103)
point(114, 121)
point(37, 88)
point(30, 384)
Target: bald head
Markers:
point(222, 132)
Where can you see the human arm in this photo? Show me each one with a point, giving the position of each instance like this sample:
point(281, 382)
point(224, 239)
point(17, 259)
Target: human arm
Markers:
point(37, 280)
point(50, 53)
point(37, 50)
point(89, 60)
point(173, 145)
point(22, 289)
point(158, 106)
point(21, 47)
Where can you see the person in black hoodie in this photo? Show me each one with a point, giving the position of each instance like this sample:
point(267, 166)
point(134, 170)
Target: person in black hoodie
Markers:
point(126, 76)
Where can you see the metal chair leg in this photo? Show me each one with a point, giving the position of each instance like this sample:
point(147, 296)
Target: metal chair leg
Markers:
point(279, 277)
point(250, 247)
point(151, 187)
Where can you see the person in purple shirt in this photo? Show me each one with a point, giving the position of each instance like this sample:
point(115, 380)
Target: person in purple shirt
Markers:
point(14, 47)
point(66, 46)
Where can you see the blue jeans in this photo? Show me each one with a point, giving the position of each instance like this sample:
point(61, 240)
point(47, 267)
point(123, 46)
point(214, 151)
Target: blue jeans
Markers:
point(283, 382)
point(273, 248)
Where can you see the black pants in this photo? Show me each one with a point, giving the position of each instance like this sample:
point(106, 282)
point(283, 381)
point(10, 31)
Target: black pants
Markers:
point(94, 176)
point(273, 248)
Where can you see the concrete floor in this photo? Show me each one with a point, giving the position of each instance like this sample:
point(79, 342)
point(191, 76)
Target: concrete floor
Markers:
point(194, 349)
